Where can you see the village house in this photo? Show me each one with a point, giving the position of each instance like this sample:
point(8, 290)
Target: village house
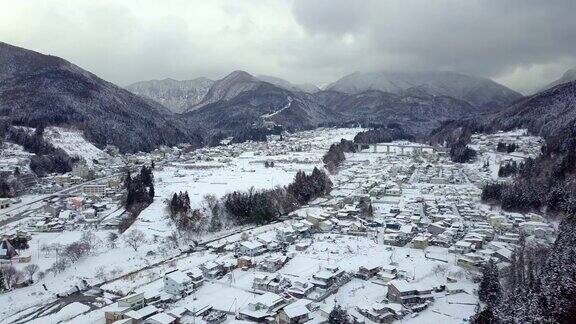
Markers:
point(420, 242)
point(4, 203)
point(178, 283)
point(263, 307)
point(212, 269)
point(326, 225)
point(244, 262)
point(326, 277)
point(387, 273)
point(315, 220)
point(471, 261)
point(378, 313)
point(407, 293)
point(302, 228)
point(299, 288)
point(286, 234)
point(195, 274)
point(295, 313)
point(366, 272)
point(265, 282)
point(436, 228)
point(251, 248)
point(124, 305)
point(140, 315)
point(273, 263)
point(461, 247)
point(160, 318)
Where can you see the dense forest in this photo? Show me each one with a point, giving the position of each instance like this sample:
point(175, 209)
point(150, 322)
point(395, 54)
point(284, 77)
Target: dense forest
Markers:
point(383, 134)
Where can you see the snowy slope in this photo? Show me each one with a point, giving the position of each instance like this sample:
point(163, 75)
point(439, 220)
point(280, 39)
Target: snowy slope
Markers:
point(173, 94)
point(72, 141)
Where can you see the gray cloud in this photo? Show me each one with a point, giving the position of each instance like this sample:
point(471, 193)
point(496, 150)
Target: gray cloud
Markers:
point(521, 43)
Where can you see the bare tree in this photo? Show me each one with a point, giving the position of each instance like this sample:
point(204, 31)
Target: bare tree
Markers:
point(90, 240)
point(115, 272)
point(60, 265)
point(31, 269)
point(75, 250)
point(112, 240)
point(100, 273)
point(172, 240)
point(12, 276)
point(440, 269)
point(134, 238)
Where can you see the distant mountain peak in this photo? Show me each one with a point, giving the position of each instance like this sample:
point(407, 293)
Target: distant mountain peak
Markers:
point(305, 87)
point(475, 90)
point(227, 88)
point(239, 75)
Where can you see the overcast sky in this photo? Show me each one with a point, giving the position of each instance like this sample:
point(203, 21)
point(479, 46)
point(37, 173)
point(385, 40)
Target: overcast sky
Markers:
point(523, 44)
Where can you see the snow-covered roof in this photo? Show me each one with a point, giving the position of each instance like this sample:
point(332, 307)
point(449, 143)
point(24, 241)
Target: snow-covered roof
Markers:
point(162, 318)
point(251, 245)
point(405, 286)
point(268, 299)
point(297, 308)
point(178, 277)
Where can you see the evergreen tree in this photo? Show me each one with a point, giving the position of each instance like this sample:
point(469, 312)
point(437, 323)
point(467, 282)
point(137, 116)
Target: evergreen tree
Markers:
point(2, 282)
point(338, 316)
point(490, 291)
point(151, 192)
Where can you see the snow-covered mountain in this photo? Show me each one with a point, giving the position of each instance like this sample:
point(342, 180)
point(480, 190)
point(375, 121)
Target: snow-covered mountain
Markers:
point(417, 112)
point(568, 76)
point(305, 87)
point(479, 92)
point(42, 89)
point(240, 101)
point(228, 87)
point(549, 114)
point(173, 94)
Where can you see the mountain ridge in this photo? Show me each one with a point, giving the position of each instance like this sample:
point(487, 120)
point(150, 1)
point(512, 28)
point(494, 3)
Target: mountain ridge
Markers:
point(480, 92)
point(38, 89)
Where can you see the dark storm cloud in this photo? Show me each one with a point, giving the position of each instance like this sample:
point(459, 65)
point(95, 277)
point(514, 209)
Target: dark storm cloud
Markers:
point(521, 43)
point(490, 38)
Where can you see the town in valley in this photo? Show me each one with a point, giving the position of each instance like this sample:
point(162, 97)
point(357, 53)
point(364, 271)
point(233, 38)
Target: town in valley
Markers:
point(401, 236)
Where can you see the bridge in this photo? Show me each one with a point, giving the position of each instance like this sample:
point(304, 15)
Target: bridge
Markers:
point(395, 148)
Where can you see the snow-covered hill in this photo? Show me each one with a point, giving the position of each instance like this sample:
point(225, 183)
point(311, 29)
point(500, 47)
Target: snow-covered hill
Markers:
point(173, 94)
point(72, 141)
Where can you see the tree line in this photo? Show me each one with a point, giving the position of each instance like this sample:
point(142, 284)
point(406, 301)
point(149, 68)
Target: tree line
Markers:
point(461, 153)
point(335, 155)
point(383, 134)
